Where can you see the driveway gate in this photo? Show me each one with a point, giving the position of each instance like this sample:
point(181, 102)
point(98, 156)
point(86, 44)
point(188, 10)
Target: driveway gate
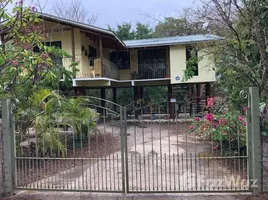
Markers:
point(139, 148)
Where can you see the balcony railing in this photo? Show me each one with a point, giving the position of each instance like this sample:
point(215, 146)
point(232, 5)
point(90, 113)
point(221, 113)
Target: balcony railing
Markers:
point(150, 74)
point(88, 68)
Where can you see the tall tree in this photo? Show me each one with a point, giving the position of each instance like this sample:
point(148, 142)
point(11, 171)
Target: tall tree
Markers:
point(185, 24)
point(241, 60)
point(126, 32)
point(73, 10)
point(143, 31)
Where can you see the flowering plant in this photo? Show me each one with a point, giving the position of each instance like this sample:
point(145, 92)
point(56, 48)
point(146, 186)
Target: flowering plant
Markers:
point(227, 131)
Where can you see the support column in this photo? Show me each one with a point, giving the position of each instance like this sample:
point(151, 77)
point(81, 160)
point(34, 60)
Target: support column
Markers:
point(208, 89)
point(138, 94)
point(141, 91)
point(103, 96)
point(80, 92)
point(171, 104)
point(101, 56)
point(114, 98)
point(198, 96)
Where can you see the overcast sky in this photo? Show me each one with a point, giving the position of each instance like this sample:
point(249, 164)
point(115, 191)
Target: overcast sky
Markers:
point(117, 11)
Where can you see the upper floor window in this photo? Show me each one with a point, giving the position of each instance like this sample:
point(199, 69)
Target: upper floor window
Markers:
point(121, 59)
point(192, 59)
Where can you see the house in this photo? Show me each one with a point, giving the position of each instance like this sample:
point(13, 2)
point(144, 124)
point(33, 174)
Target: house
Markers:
point(105, 61)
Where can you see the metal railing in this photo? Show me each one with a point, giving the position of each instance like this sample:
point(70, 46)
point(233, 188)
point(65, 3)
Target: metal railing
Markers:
point(150, 74)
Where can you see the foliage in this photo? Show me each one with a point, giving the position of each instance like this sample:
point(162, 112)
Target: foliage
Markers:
point(23, 68)
point(241, 60)
point(125, 32)
point(178, 27)
point(48, 111)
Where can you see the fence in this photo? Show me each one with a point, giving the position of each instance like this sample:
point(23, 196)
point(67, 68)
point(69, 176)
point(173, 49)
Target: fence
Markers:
point(135, 164)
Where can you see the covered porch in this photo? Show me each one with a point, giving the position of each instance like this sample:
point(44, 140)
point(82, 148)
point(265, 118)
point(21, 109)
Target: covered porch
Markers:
point(125, 92)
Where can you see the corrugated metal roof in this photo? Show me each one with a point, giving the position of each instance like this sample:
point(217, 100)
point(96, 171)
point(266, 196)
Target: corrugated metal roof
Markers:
point(171, 40)
point(81, 25)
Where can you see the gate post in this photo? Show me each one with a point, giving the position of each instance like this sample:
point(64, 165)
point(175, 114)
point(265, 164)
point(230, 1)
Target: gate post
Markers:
point(8, 147)
point(255, 141)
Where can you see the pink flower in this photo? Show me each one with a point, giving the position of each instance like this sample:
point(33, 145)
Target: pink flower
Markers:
point(197, 119)
point(240, 118)
point(216, 125)
point(209, 117)
point(191, 127)
point(244, 108)
point(244, 123)
point(210, 101)
point(215, 148)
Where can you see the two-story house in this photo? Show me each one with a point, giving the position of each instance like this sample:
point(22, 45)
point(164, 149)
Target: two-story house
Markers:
point(105, 61)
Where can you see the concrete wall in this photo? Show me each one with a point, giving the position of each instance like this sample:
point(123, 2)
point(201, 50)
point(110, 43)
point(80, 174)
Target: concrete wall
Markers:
point(178, 65)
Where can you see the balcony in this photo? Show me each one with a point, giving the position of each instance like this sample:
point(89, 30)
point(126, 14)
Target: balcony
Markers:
point(89, 68)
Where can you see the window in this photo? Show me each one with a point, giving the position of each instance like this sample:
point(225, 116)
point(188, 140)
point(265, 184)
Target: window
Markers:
point(152, 63)
point(192, 59)
point(92, 55)
point(122, 59)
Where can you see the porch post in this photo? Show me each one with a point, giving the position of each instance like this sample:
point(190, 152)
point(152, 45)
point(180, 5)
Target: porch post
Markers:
point(255, 141)
point(141, 90)
point(103, 96)
point(137, 94)
point(171, 104)
point(80, 91)
point(198, 96)
point(114, 98)
point(208, 89)
point(73, 44)
point(101, 55)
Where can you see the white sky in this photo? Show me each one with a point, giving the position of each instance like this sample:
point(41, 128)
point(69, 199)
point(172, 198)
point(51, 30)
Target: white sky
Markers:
point(114, 12)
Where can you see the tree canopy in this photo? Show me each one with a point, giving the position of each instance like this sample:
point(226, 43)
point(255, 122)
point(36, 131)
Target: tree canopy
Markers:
point(125, 31)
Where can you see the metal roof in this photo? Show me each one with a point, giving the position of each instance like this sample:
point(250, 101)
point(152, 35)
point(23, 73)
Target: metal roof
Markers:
point(167, 41)
point(81, 25)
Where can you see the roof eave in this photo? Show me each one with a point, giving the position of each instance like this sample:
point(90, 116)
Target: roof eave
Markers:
point(171, 44)
point(68, 22)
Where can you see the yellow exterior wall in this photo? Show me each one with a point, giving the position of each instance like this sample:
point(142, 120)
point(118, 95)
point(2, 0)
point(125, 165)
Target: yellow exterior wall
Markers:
point(178, 65)
point(125, 74)
point(56, 32)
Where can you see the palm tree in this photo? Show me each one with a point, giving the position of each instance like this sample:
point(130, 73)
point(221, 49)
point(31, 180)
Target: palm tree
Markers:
point(47, 112)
